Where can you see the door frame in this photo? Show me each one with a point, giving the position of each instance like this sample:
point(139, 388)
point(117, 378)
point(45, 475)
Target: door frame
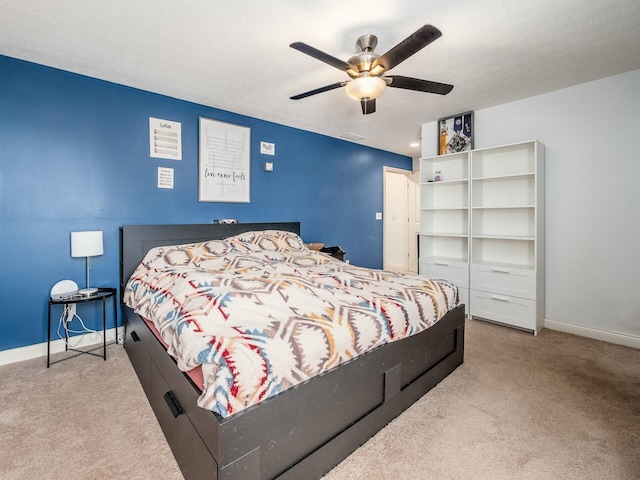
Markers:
point(410, 175)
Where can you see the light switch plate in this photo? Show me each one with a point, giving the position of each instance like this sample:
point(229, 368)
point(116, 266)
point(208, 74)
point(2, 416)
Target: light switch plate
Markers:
point(268, 166)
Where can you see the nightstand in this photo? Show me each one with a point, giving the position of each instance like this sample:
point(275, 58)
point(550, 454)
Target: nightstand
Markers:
point(335, 252)
point(101, 296)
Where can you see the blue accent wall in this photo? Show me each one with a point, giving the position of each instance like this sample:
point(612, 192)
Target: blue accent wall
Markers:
point(74, 155)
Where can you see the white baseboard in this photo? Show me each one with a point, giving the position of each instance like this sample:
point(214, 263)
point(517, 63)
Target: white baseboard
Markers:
point(611, 337)
point(40, 349)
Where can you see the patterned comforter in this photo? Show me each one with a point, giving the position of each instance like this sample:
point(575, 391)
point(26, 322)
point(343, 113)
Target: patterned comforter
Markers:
point(261, 312)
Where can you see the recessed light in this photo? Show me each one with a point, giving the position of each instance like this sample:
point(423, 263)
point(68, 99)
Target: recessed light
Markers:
point(351, 136)
point(414, 144)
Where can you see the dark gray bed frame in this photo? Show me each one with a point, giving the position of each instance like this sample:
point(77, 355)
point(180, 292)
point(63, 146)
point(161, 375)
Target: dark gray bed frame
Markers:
point(303, 432)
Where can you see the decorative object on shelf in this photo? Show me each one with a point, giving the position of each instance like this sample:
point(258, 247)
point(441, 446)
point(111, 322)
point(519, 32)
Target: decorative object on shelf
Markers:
point(87, 244)
point(315, 246)
point(455, 133)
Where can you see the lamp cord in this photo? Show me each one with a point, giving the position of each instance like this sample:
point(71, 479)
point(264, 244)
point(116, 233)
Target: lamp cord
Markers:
point(67, 317)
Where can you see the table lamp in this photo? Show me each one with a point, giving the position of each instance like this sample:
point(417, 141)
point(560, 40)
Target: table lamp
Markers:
point(87, 244)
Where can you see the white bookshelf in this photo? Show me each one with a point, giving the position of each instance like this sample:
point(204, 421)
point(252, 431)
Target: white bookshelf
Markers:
point(482, 227)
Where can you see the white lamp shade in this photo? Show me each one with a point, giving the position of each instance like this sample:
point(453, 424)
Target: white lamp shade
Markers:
point(86, 244)
point(365, 88)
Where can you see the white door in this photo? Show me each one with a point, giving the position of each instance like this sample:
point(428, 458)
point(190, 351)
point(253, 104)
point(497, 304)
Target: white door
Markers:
point(398, 239)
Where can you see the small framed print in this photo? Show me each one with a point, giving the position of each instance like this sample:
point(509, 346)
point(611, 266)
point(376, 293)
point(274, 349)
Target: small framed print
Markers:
point(455, 133)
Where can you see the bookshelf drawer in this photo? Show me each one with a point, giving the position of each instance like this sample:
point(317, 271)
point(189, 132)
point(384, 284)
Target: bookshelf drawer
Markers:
point(504, 280)
point(452, 271)
point(513, 311)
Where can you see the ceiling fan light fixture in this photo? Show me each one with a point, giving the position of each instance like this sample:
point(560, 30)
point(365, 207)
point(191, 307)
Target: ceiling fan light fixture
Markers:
point(365, 87)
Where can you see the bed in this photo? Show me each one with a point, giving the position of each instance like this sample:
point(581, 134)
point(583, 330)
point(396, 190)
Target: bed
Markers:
point(302, 431)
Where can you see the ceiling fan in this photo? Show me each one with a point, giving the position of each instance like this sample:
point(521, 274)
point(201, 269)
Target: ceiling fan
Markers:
point(367, 68)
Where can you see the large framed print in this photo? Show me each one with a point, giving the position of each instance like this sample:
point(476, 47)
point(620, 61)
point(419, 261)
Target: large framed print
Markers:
point(224, 162)
point(455, 133)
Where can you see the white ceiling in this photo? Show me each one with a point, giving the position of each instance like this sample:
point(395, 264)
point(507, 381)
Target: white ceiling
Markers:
point(235, 54)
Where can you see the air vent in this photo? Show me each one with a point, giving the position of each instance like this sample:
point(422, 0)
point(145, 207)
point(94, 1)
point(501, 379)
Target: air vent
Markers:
point(351, 136)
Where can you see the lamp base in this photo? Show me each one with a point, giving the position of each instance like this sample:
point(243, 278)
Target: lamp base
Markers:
point(87, 292)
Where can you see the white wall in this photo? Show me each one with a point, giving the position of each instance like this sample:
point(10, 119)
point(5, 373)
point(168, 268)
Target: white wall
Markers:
point(592, 134)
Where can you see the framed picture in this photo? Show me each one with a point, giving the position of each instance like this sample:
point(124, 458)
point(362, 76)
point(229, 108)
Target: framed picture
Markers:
point(455, 133)
point(224, 162)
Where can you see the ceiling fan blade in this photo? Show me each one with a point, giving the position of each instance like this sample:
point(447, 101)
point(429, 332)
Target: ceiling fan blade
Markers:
point(323, 57)
point(368, 106)
point(408, 83)
point(318, 90)
point(410, 45)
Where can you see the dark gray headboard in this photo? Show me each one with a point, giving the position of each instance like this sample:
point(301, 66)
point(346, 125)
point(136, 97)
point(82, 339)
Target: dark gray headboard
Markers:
point(137, 240)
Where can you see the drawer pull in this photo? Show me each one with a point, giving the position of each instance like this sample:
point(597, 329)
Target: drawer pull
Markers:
point(135, 336)
point(499, 270)
point(500, 298)
point(173, 404)
point(444, 264)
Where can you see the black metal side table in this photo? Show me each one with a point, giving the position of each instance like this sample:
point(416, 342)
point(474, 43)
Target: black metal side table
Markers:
point(102, 295)
point(335, 252)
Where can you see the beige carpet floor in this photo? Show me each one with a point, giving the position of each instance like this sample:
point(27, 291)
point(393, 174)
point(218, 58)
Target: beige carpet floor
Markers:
point(554, 406)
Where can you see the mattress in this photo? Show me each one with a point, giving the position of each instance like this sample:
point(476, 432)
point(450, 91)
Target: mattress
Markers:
point(260, 312)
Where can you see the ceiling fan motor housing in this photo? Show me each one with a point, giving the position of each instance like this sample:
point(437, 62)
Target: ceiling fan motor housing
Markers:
point(367, 43)
point(364, 60)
